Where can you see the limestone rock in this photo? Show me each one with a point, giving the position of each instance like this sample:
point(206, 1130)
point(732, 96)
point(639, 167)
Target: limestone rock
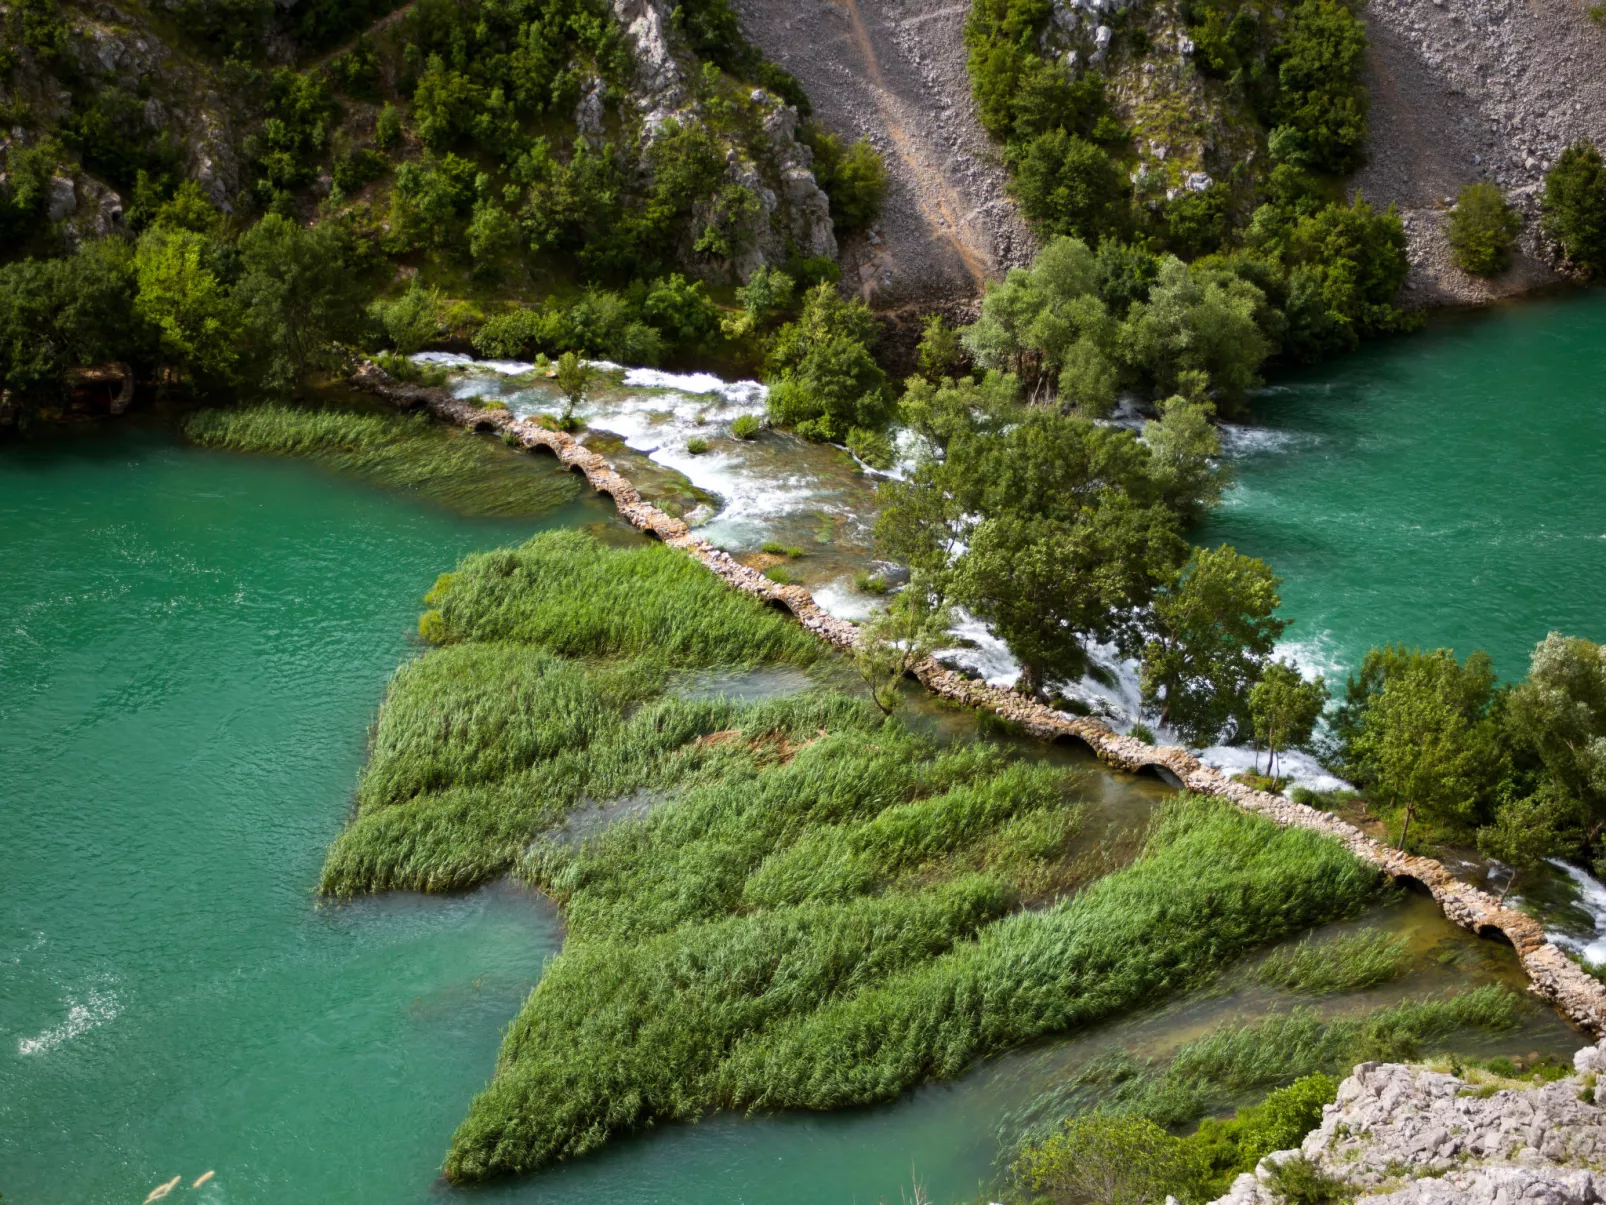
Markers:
point(63, 200)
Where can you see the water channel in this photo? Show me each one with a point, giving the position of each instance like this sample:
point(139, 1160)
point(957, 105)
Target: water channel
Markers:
point(196, 643)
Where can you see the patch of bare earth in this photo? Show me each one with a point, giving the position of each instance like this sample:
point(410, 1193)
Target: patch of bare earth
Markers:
point(896, 73)
point(1468, 90)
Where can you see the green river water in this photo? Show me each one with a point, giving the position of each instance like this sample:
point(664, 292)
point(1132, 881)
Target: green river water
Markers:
point(1444, 490)
point(194, 646)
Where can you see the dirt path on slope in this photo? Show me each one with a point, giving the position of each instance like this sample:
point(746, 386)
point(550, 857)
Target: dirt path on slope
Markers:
point(1467, 90)
point(895, 70)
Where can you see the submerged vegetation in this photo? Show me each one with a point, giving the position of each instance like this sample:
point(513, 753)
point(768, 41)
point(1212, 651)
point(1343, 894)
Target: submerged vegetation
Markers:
point(443, 464)
point(802, 902)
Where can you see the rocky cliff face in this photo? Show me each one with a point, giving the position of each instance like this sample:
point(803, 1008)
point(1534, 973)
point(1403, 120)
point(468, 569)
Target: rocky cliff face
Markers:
point(1412, 1136)
point(1468, 90)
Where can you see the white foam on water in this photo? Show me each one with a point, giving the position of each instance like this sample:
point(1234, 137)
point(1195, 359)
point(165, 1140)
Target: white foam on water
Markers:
point(455, 359)
point(96, 1009)
point(1239, 441)
point(742, 393)
point(986, 654)
point(1592, 899)
point(839, 598)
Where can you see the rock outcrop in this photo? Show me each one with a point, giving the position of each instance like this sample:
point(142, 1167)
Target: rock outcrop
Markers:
point(1552, 976)
point(1411, 1136)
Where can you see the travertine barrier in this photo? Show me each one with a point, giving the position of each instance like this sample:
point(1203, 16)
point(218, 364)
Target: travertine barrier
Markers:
point(1551, 974)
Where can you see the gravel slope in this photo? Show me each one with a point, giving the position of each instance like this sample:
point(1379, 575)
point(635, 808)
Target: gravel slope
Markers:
point(896, 72)
point(1464, 90)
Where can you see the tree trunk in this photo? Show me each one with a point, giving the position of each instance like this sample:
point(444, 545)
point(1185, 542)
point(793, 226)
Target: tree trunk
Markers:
point(1406, 827)
point(1501, 902)
point(1030, 680)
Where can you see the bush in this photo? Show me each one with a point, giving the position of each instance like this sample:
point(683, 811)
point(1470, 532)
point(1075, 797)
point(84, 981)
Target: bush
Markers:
point(824, 380)
point(1575, 206)
point(746, 426)
point(853, 177)
point(1067, 185)
point(1482, 230)
point(1320, 110)
point(696, 445)
point(411, 321)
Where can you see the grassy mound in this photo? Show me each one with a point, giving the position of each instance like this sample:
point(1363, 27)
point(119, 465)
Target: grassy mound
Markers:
point(692, 980)
point(469, 473)
point(806, 904)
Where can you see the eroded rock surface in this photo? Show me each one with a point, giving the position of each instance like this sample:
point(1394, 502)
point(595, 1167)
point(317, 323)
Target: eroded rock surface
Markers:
point(895, 71)
point(1410, 1136)
point(1468, 90)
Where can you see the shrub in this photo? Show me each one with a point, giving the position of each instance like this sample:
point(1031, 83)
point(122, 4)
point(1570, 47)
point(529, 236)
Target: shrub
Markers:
point(781, 575)
point(853, 177)
point(824, 380)
point(1113, 1161)
point(1575, 206)
point(696, 445)
point(1483, 228)
point(872, 447)
point(412, 320)
point(746, 426)
point(870, 583)
point(1067, 185)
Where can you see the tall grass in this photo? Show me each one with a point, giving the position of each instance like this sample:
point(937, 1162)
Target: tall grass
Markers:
point(467, 472)
point(1344, 964)
point(568, 593)
point(671, 998)
point(820, 909)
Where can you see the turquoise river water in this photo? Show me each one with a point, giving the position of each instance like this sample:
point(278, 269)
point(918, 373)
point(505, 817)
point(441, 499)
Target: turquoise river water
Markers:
point(193, 648)
point(1444, 490)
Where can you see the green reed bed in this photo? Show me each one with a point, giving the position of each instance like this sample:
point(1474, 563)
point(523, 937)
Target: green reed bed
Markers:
point(1128, 1139)
point(1344, 964)
point(470, 473)
point(684, 988)
point(821, 908)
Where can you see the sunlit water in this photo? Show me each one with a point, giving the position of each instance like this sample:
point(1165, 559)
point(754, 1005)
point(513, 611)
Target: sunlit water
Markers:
point(196, 644)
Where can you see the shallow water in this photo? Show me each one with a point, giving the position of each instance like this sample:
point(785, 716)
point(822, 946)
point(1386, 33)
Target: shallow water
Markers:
point(195, 646)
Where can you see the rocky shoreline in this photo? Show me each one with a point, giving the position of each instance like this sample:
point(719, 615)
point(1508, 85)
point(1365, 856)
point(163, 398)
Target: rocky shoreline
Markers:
point(1552, 976)
point(1412, 1136)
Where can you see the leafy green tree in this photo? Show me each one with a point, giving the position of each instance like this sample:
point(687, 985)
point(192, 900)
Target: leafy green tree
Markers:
point(1124, 273)
point(412, 320)
point(1557, 717)
point(1575, 206)
point(1048, 585)
point(1524, 833)
point(1320, 110)
point(1069, 186)
point(1483, 229)
point(1185, 453)
point(180, 294)
point(492, 234)
point(1031, 320)
point(824, 380)
point(298, 294)
point(914, 625)
point(1284, 709)
point(574, 382)
point(1417, 732)
point(1215, 628)
point(681, 309)
point(24, 191)
point(939, 354)
point(853, 177)
point(1201, 320)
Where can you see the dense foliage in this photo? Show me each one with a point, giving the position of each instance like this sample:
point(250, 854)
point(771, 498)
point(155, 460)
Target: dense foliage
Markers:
point(1318, 275)
point(1523, 764)
point(1129, 1148)
point(1575, 206)
point(1483, 228)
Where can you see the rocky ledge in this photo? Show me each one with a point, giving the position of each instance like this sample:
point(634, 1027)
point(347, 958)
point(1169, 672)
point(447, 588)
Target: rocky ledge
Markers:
point(1412, 1136)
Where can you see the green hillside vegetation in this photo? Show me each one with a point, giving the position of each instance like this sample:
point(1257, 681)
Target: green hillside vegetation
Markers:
point(1262, 119)
point(436, 163)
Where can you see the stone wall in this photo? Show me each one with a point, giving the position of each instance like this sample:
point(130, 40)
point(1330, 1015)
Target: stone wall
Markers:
point(1551, 974)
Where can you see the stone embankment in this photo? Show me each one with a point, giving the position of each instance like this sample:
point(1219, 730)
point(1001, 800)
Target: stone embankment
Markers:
point(1410, 1136)
point(1552, 975)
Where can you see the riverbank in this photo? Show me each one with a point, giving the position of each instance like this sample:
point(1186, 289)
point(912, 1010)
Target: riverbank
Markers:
point(1552, 975)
